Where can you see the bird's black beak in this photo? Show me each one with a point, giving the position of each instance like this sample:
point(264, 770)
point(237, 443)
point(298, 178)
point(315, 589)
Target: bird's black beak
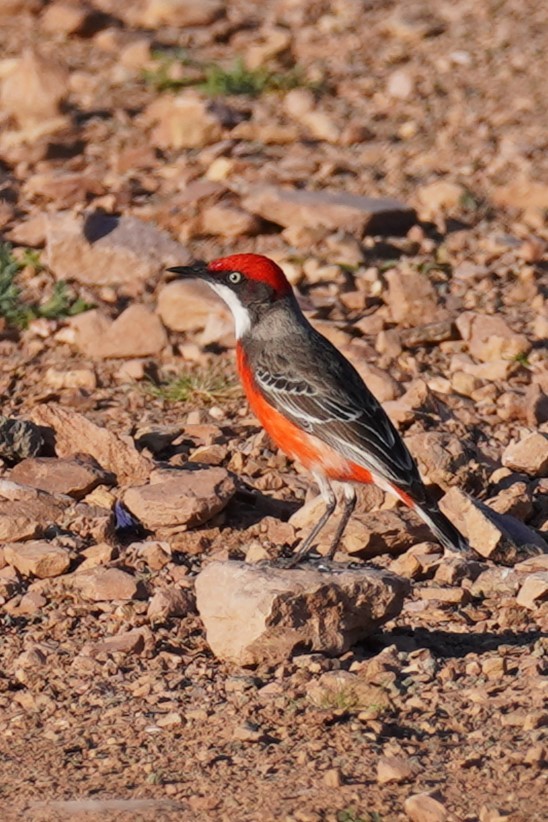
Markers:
point(196, 271)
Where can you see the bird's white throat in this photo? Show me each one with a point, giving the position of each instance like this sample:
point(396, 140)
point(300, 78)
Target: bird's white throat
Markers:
point(242, 320)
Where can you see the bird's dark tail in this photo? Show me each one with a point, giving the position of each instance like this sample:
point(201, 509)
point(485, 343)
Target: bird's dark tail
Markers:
point(444, 530)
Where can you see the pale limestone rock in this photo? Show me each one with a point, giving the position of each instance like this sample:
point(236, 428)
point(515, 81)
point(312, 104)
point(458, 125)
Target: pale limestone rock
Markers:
point(258, 615)
point(183, 121)
point(421, 807)
point(412, 298)
point(534, 590)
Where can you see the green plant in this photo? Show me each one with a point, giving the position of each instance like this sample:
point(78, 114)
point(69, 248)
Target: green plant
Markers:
point(522, 359)
point(205, 386)
point(239, 80)
point(350, 815)
point(16, 312)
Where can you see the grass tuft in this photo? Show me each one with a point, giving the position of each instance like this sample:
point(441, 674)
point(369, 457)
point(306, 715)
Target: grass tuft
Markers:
point(206, 387)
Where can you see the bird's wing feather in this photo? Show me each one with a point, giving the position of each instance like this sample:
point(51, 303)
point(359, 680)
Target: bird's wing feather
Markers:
point(330, 400)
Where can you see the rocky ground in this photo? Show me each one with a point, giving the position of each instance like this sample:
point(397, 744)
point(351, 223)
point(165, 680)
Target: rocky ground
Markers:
point(392, 157)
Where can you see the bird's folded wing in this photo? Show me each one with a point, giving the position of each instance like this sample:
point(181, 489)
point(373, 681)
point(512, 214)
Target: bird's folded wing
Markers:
point(343, 413)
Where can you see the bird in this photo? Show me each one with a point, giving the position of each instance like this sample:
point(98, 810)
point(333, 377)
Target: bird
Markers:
point(311, 400)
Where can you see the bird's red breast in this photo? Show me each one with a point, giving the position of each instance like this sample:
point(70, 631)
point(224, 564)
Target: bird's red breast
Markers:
point(298, 444)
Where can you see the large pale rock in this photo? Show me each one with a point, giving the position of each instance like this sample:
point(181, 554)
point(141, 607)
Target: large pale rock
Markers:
point(331, 209)
point(256, 615)
point(192, 307)
point(34, 90)
point(137, 332)
point(181, 498)
point(100, 249)
point(178, 13)
point(76, 476)
point(529, 455)
point(74, 433)
point(37, 559)
point(491, 534)
point(380, 383)
point(523, 194)
point(224, 220)
point(412, 298)
point(489, 338)
point(183, 121)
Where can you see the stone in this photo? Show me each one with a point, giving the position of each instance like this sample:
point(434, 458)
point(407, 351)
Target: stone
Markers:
point(181, 498)
point(72, 431)
point(255, 615)
point(383, 532)
point(489, 533)
point(534, 590)
point(75, 476)
point(185, 120)
point(428, 334)
point(489, 337)
point(230, 221)
point(137, 332)
point(421, 807)
point(395, 769)
point(331, 209)
point(73, 378)
point(34, 90)
point(400, 85)
point(37, 559)
point(68, 18)
point(529, 455)
point(443, 459)
point(19, 439)
point(192, 307)
point(178, 13)
point(516, 499)
point(171, 602)
point(412, 298)
point(101, 249)
point(441, 195)
point(25, 512)
point(126, 642)
point(105, 584)
point(379, 382)
point(276, 41)
point(522, 194)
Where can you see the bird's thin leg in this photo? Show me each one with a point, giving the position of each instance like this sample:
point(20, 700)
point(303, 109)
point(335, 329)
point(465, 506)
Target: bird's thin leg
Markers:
point(330, 504)
point(348, 509)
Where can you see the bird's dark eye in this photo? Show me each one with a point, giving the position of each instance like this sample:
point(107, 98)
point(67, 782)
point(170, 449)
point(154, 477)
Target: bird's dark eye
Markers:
point(234, 277)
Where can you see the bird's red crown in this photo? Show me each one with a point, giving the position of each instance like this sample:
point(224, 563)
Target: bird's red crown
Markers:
point(255, 267)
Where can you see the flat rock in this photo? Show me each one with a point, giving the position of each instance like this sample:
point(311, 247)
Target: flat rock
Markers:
point(99, 584)
point(330, 209)
point(25, 512)
point(100, 249)
point(395, 769)
point(337, 689)
point(126, 642)
point(37, 559)
point(179, 13)
point(75, 476)
point(529, 455)
point(489, 338)
point(136, 332)
point(171, 602)
point(256, 615)
point(383, 532)
point(181, 498)
point(185, 120)
point(74, 433)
